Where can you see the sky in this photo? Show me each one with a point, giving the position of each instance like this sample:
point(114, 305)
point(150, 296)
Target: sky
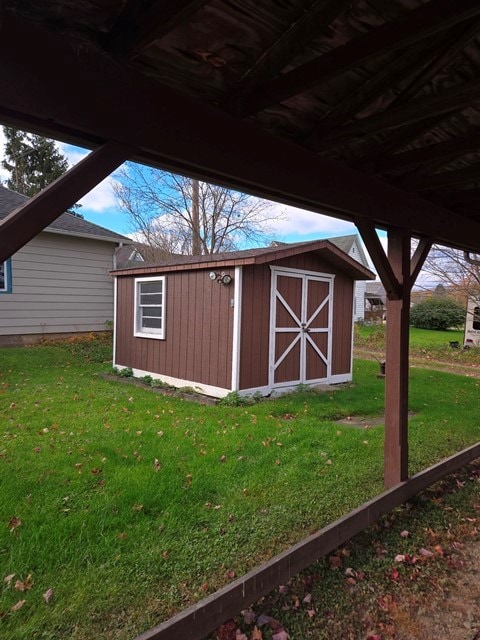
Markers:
point(99, 206)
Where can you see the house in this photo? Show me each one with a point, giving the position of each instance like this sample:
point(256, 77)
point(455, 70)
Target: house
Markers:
point(260, 320)
point(375, 301)
point(59, 283)
point(352, 246)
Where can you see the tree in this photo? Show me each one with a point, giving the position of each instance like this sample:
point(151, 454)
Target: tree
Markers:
point(33, 162)
point(437, 313)
point(449, 268)
point(174, 214)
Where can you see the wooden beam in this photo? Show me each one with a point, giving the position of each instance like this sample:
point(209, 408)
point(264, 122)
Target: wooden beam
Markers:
point(379, 259)
point(452, 99)
point(140, 24)
point(428, 19)
point(23, 224)
point(308, 26)
point(175, 132)
point(470, 174)
point(392, 73)
point(396, 363)
point(205, 616)
point(442, 151)
point(418, 259)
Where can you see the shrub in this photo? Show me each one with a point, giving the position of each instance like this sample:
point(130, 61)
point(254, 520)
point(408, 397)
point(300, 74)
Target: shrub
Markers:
point(437, 313)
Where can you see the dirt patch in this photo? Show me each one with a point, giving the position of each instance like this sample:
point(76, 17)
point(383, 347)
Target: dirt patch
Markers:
point(366, 422)
point(454, 611)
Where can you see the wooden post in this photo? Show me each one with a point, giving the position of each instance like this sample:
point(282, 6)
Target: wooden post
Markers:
point(397, 363)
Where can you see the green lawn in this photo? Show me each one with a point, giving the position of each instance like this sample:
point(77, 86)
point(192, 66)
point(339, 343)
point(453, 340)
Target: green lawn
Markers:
point(131, 505)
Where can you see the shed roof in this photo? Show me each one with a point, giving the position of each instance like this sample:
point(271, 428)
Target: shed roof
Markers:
point(67, 223)
point(330, 252)
point(360, 109)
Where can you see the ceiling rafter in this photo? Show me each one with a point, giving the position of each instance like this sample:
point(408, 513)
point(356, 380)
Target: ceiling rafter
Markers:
point(440, 152)
point(465, 176)
point(427, 20)
point(400, 68)
point(139, 25)
point(416, 111)
point(309, 25)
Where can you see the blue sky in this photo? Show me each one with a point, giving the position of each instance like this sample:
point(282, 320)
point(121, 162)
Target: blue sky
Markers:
point(100, 207)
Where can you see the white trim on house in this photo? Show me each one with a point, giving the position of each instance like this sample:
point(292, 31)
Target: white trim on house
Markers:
point(115, 293)
point(206, 389)
point(237, 325)
point(138, 332)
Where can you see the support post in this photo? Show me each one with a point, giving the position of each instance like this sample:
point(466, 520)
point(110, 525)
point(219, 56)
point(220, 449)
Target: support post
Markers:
point(397, 363)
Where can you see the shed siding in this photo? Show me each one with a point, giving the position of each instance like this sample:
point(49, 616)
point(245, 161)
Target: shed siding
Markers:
point(198, 330)
point(255, 332)
point(59, 284)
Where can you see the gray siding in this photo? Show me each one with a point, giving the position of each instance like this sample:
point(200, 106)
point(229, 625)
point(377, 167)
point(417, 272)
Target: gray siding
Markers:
point(60, 284)
point(360, 285)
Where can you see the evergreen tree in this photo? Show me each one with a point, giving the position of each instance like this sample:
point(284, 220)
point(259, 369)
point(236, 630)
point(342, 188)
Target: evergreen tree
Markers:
point(32, 161)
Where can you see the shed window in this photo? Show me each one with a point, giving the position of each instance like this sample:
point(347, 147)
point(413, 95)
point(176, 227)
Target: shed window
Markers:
point(6, 276)
point(150, 307)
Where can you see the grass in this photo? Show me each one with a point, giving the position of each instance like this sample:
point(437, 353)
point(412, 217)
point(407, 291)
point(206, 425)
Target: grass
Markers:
point(133, 505)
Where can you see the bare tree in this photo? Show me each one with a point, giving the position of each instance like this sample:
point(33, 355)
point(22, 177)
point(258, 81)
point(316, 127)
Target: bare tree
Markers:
point(449, 268)
point(175, 214)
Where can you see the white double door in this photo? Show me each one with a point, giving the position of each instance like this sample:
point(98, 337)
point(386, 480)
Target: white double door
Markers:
point(300, 330)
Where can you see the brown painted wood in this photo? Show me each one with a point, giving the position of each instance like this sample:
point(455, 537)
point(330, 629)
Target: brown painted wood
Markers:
point(203, 617)
point(43, 94)
point(27, 221)
point(444, 179)
point(418, 259)
point(140, 24)
point(396, 357)
point(380, 260)
point(406, 30)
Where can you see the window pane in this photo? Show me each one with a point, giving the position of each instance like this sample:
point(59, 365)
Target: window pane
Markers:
point(151, 287)
point(476, 318)
point(155, 312)
point(152, 323)
point(2, 276)
point(151, 298)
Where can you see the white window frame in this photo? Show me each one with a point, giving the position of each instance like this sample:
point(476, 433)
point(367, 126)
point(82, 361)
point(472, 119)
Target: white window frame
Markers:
point(7, 276)
point(139, 332)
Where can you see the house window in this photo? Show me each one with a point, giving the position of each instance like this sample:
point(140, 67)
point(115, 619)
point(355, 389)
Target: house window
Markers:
point(6, 276)
point(476, 318)
point(150, 307)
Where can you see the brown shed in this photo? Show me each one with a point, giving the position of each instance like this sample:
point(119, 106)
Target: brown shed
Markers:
point(259, 320)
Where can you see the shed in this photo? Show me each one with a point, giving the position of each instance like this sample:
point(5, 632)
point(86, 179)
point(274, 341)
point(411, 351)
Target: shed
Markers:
point(260, 320)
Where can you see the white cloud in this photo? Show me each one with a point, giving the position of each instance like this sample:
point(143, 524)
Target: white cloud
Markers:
point(305, 223)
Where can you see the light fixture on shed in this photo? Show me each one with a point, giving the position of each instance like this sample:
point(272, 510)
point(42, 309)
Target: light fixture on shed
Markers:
point(212, 275)
point(225, 278)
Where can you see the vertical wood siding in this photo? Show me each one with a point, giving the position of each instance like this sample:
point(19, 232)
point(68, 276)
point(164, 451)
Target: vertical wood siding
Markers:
point(60, 284)
point(198, 330)
point(255, 326)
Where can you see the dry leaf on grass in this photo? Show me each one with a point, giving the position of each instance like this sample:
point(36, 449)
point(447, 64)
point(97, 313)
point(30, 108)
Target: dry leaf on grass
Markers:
point(48, 595)
point(18, 606)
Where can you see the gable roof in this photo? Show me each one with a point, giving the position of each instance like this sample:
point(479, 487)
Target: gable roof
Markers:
point(345, 243)
point(67, 223)
point(330, 252)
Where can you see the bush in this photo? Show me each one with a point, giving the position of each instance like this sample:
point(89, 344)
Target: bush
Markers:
point(439, 314)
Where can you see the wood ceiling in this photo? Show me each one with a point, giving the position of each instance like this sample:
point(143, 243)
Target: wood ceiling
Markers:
point(366, 109)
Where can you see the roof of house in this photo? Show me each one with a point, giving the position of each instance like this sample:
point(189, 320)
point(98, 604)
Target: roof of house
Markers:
point(375, 290)
point(345, 243)
point(330, 252)
point(67, 223)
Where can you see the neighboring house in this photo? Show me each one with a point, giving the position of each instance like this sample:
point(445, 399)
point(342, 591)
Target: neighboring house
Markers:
point(260, 320)
point(352, 246)
point(59, 283)
point(375, 302)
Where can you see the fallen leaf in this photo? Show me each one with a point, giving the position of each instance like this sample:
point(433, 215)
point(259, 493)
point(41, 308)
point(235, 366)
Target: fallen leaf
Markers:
point(48, 595)
point(307, 599)
point(14, 523)
point(227, 631)
point(156, 465)
point(311, 613)
point(400, 557)
point(248, 616)
point(240, 636)
point(350, 573)
point(8, 579)
point(18, 606)
point(404, 534)
point(263, 619)
point(24, 585)
point(281, 635)
point(335, 561)
point(425, 553)
point(137, 507)
point(256, 634)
